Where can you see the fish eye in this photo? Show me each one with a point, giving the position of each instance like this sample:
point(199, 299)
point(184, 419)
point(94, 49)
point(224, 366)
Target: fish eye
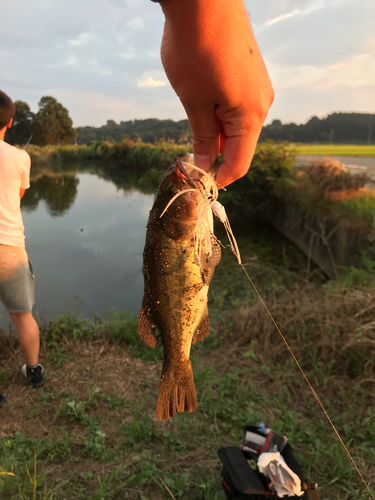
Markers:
point(172, 189)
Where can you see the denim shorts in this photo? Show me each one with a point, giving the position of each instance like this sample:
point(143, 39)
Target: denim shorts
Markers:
point(17, 280)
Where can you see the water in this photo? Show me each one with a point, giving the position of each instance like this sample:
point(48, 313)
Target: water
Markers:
point(85, 231)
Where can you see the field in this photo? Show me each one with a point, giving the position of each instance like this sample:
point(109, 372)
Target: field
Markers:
point(91, 432)
point(334, 149)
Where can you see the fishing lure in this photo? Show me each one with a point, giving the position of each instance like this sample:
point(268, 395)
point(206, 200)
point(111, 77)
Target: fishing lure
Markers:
point(204, 230)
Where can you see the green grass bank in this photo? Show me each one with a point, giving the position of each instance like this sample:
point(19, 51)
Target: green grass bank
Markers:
point(91, 432)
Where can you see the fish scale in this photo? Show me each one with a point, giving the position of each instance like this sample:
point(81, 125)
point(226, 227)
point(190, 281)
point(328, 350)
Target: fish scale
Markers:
point(174, 308)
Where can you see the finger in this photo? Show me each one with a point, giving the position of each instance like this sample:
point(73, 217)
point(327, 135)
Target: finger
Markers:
point(238, 153)
point(222, 139)
point(205, 130)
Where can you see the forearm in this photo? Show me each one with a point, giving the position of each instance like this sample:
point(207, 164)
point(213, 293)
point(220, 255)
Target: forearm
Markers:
point(213, 63)
point(206, 39)
point(206, 22)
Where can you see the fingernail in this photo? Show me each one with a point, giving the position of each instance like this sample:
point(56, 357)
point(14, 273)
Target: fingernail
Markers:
point(203, 161)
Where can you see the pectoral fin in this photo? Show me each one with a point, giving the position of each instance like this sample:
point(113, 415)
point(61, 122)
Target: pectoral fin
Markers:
point(146, 327)
point(209, 263)
point(202, 330)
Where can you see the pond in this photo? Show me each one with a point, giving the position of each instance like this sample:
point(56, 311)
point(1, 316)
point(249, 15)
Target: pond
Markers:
point(85, 231)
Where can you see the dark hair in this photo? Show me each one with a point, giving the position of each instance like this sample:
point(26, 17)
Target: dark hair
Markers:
point(7, 109)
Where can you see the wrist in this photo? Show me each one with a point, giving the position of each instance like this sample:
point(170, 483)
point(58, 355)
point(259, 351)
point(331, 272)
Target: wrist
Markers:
point(207, 22)
point(202, 10)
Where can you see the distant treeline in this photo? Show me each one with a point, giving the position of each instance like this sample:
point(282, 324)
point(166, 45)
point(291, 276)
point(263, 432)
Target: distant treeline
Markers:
point(53, 125)
point(151, 130)
point(336, 128)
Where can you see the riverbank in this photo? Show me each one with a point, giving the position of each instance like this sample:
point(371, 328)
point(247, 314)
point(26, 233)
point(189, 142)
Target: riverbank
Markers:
point(105, 150)
point(272, 180)
point(92, 427)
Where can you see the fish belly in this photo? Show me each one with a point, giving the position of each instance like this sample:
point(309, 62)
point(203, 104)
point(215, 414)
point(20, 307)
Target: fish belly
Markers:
point(179, 304)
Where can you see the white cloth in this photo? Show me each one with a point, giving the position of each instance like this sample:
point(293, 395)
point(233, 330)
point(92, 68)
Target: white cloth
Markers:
point(284, 481)
point(14, 174)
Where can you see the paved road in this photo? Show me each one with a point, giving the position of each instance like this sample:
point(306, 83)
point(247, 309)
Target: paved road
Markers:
point(354, 163)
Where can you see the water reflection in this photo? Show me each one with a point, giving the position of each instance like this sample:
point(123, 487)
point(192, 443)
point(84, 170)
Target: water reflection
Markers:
point(58, 191)
point(85, 230)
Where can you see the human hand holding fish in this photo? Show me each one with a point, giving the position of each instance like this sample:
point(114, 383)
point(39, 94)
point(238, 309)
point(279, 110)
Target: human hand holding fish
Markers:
point(213, 62)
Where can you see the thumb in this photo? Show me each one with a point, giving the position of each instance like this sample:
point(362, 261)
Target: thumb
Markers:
point(205, 130)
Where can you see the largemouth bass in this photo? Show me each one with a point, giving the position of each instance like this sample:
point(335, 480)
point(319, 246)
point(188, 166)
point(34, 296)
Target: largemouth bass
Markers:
point(174, 309)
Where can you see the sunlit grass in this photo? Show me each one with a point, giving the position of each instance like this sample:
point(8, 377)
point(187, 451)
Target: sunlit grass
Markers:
point(335, 149)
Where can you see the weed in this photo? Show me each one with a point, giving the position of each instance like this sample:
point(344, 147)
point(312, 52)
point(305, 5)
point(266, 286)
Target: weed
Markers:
point(117, 403)
point(173, 442)
point(140, 429)
point(3, 376)
point(94, 443)
point(110, 484)
point(77, 410)
point(178, 483)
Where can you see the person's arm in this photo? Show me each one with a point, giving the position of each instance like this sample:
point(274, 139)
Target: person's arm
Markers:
point(213, 63)
point(25, 165)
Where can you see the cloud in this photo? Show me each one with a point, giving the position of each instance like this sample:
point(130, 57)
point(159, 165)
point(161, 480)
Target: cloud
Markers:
point(354, 71)
point(83, 38)
point(102, 61)
point(150, 82)
point(282, 17)
point(318, 36)
point(299, 103)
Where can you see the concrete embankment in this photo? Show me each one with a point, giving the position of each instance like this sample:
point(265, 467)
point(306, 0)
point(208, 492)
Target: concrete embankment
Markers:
point(328, 242)
point(355, 164)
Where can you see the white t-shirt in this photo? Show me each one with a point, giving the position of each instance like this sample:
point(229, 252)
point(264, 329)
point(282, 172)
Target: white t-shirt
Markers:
point(14, 174)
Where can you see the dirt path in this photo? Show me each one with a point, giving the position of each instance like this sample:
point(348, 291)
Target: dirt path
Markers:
point(90, 364)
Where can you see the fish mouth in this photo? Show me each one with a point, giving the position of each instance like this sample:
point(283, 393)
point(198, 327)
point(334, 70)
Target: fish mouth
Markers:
point(185, 177)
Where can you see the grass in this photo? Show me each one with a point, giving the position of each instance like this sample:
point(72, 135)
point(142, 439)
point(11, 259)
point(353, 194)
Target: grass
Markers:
point(362, 208)
point(335, 149)
point(135, 155)
point(90, 433)
point(139, 153)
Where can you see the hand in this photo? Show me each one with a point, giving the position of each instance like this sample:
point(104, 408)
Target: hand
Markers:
point(213, 63)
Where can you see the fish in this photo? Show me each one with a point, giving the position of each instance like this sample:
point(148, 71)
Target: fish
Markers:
point(174, 310)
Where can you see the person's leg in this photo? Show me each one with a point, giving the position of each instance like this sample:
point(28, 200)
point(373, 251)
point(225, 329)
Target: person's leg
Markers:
point(17, 292)
point(28, 336)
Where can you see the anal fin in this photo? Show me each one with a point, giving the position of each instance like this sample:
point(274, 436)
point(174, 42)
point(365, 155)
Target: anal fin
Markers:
point(202, 330)
point(147, 328)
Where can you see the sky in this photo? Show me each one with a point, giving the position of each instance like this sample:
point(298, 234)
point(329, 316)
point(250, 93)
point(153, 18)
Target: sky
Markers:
point(101, 58)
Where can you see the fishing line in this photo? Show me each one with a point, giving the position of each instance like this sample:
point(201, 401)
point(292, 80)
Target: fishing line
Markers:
point(210, 202)
point(25, 146)
point(308, 382)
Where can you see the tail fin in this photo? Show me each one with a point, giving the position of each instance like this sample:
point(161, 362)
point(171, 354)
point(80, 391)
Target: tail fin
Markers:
point(177, 390)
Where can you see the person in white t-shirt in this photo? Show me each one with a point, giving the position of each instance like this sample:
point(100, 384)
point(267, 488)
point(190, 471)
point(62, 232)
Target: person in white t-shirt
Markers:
point(17, 281)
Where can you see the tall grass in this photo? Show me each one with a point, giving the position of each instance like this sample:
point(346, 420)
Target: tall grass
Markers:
point(136, 155)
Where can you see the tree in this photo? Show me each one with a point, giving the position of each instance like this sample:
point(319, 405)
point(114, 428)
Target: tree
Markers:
point(23, 124)
point(336, 127)
point(53, 124)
